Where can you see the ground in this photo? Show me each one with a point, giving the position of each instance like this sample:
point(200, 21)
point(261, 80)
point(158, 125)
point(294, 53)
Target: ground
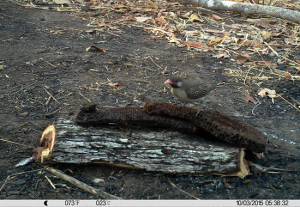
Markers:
point(44, 52)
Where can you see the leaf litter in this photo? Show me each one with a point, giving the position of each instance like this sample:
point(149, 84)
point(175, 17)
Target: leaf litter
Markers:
point(257, 47)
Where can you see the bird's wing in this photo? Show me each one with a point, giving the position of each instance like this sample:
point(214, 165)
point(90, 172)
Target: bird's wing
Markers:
point(199, 91)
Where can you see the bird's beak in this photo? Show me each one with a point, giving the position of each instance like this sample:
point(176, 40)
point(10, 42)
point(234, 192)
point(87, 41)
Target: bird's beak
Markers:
point(168, 82)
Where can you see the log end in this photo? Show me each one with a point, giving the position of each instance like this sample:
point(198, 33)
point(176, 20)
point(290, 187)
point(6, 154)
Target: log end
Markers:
point(46, 144)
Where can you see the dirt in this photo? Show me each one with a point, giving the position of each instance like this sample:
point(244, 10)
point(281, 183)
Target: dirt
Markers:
point(44, 52)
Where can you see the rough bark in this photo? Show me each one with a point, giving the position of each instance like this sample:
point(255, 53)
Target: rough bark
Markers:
point(155, 150)
point(213, 125)
point(246, 8)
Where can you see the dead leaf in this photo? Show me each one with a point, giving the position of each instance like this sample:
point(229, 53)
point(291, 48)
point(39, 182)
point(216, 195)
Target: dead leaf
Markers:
point(129, 18)
point(247, 43)
point(177, 33)
point(289, 41)
point(115, 84)
point(198, 45)
point(95, 48)
point(266, 35)
point(287, 75)
point(195, 18)
point(61, 1)
point(282, 73)
point(221, 54)
point(267, 92)
point(215, 41)
point(142, 19)
point(186, 15)
point(216, 17)
point(150, 21)
point(242, 58)
point(262, 93)
point(225, 35)
point(152, 5)
point(250, 98)
point(160, 20)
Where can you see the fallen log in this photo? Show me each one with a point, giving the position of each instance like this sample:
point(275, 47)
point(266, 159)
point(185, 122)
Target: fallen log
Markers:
point(140, 148)
point(209, 124)
point(144, 143)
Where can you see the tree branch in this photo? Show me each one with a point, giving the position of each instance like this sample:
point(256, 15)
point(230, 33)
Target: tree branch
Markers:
point(246, 8)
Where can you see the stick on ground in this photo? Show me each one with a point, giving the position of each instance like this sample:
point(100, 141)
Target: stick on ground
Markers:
point(80, 184)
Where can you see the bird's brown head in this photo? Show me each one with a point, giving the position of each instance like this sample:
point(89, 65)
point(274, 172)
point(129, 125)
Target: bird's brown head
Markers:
point(174, 81)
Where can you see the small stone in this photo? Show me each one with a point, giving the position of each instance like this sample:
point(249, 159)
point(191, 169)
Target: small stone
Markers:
point(85, 8)
point(281, 66)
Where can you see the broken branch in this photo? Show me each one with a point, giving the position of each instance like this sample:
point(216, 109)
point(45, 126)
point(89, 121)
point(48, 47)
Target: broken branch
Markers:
point(246, 8)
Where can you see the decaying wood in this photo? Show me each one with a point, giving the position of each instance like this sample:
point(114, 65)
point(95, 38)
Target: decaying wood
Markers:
point(215, 125)
point(152, 150)
point(209, 124)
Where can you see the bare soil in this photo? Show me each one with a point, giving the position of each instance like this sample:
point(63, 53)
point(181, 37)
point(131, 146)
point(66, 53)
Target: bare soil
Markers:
point(44, 52)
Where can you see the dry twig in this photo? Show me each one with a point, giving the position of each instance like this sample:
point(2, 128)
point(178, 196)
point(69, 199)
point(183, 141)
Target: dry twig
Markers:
point(292, 105)
point(88, 100)
point(24, 145)
point(48, 63)
point(51, 95)
point(186, 193)
point(80, 184)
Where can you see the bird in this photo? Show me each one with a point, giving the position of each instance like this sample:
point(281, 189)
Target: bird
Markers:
point(190, 90)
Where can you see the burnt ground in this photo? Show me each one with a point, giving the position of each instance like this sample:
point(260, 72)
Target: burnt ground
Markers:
point(44, 51)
